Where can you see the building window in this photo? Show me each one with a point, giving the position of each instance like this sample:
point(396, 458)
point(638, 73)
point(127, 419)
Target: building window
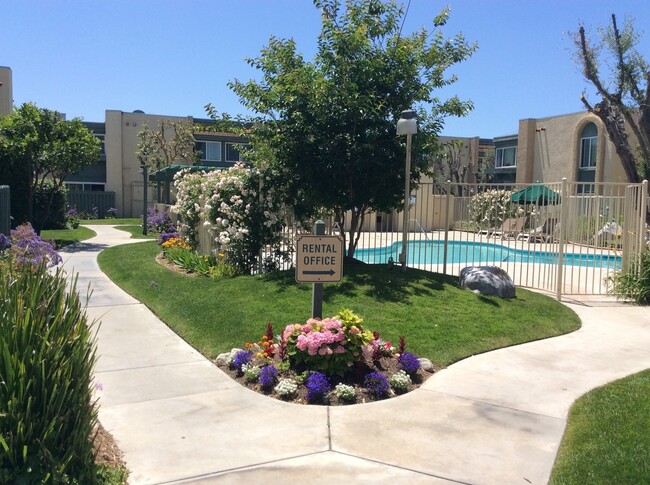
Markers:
point(506, 157)
point(233, 152)
point(209, 151)
point(588, 147)
point(85, 187)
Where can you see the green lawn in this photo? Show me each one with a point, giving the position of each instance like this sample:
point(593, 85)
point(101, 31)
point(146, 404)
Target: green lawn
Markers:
point(111, 222)
point(65, 237)
point(439, 320)
point(607, 440)
point(136, 232)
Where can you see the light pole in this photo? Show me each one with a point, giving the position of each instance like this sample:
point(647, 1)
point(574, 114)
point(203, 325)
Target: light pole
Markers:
point(143, 171)
point(406, 125)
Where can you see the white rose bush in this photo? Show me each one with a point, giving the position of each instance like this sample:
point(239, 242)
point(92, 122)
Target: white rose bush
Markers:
point(243, 215)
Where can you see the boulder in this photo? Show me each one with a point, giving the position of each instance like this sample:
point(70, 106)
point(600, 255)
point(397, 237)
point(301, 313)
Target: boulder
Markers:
point(487, 280)
point(426, 364)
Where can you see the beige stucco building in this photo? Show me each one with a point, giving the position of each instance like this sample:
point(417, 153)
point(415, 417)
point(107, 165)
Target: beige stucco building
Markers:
point(573, 146)
point(6, 91)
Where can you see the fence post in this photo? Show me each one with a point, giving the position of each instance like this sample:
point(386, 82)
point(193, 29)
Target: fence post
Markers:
point(317, 292)
point(444, 251)
point(564, 207)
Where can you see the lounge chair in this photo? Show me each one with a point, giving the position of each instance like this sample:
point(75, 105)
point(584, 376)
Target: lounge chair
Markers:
point(543, 234)
point(510, 228)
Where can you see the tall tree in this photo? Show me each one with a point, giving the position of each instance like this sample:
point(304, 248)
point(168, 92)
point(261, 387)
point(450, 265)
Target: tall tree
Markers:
point(37, 146)
point(624, 92)
point(326, 128)
point(172, 142)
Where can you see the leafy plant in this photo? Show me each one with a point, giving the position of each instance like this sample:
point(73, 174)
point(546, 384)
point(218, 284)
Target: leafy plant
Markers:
point(286, 388)
point(376, 384)
point(268, 376)
point(28, 250)
point(409, 363)
point(634, 282)
point(318, 385)
point(345, 392)
point(47, 354)
point(400, 381)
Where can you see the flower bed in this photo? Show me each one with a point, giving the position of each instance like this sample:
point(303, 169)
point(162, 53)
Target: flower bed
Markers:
point(331, 361)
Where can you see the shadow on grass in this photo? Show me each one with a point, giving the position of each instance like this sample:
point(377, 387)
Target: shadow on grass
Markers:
point(374, 281)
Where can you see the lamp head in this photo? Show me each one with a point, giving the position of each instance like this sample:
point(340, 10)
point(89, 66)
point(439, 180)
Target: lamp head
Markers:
point(407, 124)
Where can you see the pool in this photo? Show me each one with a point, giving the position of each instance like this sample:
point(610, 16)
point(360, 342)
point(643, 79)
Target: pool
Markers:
point(432, 252)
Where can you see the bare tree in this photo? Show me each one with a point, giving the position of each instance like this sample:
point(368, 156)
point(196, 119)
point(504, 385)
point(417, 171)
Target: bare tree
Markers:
point(625, 95)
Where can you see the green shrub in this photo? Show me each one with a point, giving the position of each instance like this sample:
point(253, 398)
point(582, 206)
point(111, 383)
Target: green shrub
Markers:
point(50, 204)
point(634, 282)
point(47, 354)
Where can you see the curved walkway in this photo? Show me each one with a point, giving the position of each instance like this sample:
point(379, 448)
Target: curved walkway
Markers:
point(495, 418)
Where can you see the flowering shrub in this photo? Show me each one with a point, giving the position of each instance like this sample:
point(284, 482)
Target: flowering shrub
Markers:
point(345, 392)
point(169, 233)
point(111, 213)
point(175, 242)
point(318, 385)
point(5, 242)
point(400, 381)
point(331, 345)
point(409, 363)
point(376, 384)
point(251, 372)
point(286, 388)
point(27, 249)
point(268, 376)
point(158, 221)
point(72, 218)
point(242, 357)
point(490, 208)
point(229, 202)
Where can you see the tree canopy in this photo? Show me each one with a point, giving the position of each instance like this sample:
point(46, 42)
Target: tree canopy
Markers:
point(38, 146)
point(325, 129)
point(621, 76)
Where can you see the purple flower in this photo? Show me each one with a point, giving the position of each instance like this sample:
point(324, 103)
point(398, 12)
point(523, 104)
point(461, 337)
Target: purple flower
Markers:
point(157, 221)
point(5, 242)
point(376, 384)
point(28, 249)
point(268, 376)
point(409, 363)
point(242, 357)
point(169, 233)
point(318, 385)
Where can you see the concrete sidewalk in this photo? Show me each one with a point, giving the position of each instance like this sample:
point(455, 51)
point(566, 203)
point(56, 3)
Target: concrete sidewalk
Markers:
point(493, 418)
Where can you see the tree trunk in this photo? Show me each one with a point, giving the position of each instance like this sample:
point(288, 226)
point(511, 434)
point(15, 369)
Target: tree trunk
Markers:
point(615, 126)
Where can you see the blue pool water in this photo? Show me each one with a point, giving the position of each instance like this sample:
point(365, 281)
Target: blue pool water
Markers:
point(432, 252)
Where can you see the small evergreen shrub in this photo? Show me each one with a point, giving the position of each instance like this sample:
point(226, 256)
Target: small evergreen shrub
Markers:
point(634, 283)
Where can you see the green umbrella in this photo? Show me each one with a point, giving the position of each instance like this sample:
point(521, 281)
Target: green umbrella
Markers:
point(536, 194)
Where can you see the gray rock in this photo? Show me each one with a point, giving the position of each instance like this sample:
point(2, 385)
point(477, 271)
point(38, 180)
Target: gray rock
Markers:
point(426, 364)
point(222, 359)
point(487, 280)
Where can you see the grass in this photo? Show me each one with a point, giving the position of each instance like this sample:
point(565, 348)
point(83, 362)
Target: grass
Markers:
point(136, 232)
point(111, 222)
point(440, 321)
point(608, 436)
point(65, 237)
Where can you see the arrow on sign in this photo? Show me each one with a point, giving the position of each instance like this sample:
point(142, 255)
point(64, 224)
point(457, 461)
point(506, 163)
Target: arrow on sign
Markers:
point(330, 272)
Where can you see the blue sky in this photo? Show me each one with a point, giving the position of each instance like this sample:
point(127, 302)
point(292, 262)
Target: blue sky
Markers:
point(173, 57)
